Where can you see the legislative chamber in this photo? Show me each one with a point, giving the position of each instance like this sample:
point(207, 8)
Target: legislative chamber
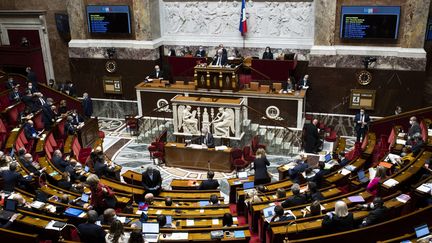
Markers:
point(132, 121)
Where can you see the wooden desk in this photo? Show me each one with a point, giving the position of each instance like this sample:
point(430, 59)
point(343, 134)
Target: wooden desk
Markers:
point(214, 77)
point(234, 184)
point(191, 194)
point(178, 155)
point(182, 184)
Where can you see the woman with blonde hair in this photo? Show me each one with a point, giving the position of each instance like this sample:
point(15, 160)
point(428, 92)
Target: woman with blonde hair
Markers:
point(260, 166)
point(374, 184)
point(340, 219)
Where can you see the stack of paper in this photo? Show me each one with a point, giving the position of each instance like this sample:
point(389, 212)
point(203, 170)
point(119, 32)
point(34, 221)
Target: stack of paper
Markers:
point(175, 236)
point(220, 148)
point(391, 182)
point(400, 141)
point(37, 204)
point(215, 221)
point(372, 173)
point(344, 171)
point(424, 188)
point(190, 222)
point(404, 198)
point(356, 199)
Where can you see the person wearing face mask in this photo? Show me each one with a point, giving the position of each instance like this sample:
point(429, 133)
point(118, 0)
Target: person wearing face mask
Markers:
point(361, 121)
point(267, 54)
point(414, 129)
point(156, 74)
point(220, 59)
point(378, 212)
point(200, 52)
point(31, 88)
point(31, 166)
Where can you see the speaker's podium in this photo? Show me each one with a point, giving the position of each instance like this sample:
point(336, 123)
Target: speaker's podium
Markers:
point(216, 78)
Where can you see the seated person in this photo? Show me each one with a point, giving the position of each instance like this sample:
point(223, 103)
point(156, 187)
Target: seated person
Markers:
point(342, 159)
point(339, 220)
point(156, 74)
point(29, 131)
point(378, 212)
point(319, 176)
point(22, 204)
point(90, 231)
point(280, 215)
point(9, 222)
point(304, 83)
point(287, 86)
point(58, 161)
point(65, 182)
point(267, 54)
point(227, 220)
point(151, 180)
point(210, 183)
point(296, 199)
point(313, 194)
point(11, 178)
point(168, 201)
point(314, 209)
point(116, 233)
point(108, 216)
point(10, 84)
point(69, 127)
point(62, 107)
point(214, 200)
point(102, 169)
point(280, 193)
point(77, 120)
point(300, 167)
point(32, 166)
point(220, 59)
point(162, 220)
point(15, 95)
point(200, 52)
point(148, 199)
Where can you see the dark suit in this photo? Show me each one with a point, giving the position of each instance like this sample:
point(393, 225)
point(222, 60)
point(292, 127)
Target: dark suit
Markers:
point(267, 55)
point(14, 96)
point(29, 102)
point(30, 168)
point(69, 128)
point(376, 216)
point(71, 90)
point(208, 140)
point(313, 141)
point(260, 167)
point(209, 185)
point(32, 77)
point(414, 129)
point(359, 128)
point(60, 163)
point(11, 179)
point(302, 83)
point(64, 184)
point(294, 200)
point(87, 105)
point(337, 224)
point(148, 182)
point(297, 170)
point(319, 177)
point(48, 116)
point(10, 84)
point(30, 132)
point(101, 169)
point(155, 75)
point(314, 196)
point(223, 60)
point(91, 233)
point(199, 53)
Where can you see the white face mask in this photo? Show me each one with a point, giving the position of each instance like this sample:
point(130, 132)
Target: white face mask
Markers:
point(372, 205)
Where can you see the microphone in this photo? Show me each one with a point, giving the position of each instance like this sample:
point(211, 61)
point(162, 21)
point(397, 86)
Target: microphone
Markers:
point(286, 240)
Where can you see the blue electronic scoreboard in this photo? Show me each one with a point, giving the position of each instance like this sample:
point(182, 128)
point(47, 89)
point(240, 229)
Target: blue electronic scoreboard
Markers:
point(108, 19)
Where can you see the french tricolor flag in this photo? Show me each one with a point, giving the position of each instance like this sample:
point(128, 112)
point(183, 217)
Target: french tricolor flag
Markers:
point(243, 23)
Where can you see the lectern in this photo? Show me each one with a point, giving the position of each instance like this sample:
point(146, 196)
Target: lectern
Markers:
point(216, 78)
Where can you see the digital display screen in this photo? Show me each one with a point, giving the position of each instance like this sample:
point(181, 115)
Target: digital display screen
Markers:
point(109, 19)
point(429, 30)
point(370, 22)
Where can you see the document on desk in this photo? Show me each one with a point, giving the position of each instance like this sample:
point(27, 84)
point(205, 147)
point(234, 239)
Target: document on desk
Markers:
point(190, 222)
point(344, 171)
point(391, 182)
point(215, 221)
point(424, 188)
point(372, 172)
point(158, 212)
point(400, 141)
point(221, 148)
point(176, 236)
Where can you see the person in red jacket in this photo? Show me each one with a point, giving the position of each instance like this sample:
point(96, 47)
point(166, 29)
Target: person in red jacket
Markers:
point(102, 197)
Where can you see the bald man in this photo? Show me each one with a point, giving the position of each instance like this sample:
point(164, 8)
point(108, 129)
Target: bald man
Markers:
point(313, 141)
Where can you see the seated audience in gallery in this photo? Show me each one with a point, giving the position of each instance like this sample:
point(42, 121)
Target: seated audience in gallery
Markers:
point(70, 89)
point(339, 220)
point(398, 110)
point(377, 212)
point(29, 100)
point(210, 183)
point(201, 52)
point(296, 199)
point(186, 52)
point(62, 109)
point(151, 180)
point(31, 88)
point(10, 84)
point(267, 54)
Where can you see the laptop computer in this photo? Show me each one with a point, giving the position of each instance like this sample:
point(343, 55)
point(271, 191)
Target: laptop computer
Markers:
point(422, 232)
point(327, 157)
point(10, 207)
point(268, 213)
point(86, 169)
point(361, 176)
point(243, 175)
point(168, 220)
point(150, 231)
point(84, 199)
point(248, 185)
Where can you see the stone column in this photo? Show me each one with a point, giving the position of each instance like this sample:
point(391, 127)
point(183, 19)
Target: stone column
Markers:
point(77, 19)
point(416, 17)
point(238, 122)
point(325, 14)
point(174, 111)
point(146, 19)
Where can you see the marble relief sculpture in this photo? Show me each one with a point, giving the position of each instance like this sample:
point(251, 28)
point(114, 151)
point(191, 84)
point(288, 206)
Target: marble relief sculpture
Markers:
point(224, 122)
point(187, 120)
point(276, 19)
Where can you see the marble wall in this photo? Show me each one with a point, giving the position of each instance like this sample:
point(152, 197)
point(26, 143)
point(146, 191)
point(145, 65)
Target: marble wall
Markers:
point(325, 12)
